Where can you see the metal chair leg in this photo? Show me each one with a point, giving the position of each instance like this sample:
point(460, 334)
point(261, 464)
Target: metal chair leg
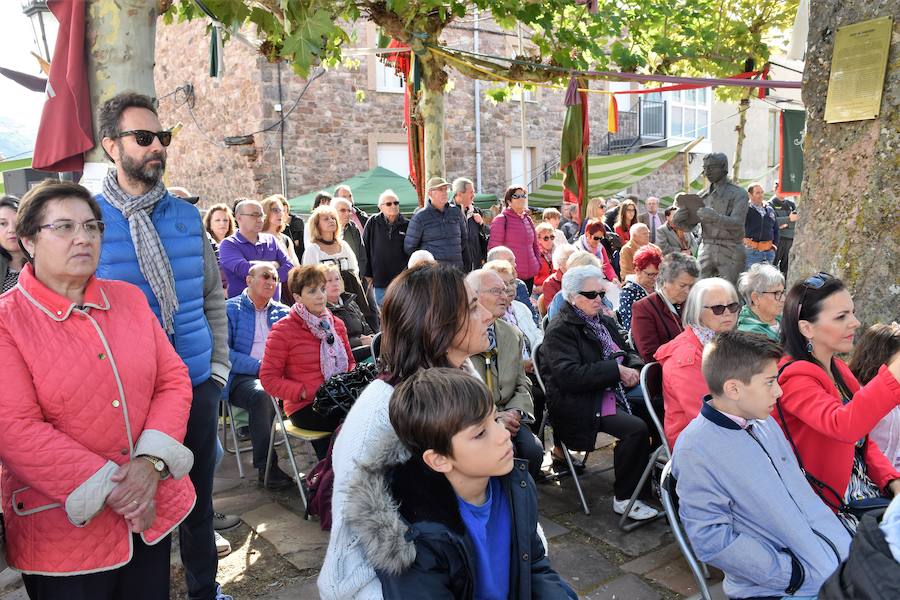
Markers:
point(584, 504)
point(623, 522)
point(226, 414)
point(290, 453)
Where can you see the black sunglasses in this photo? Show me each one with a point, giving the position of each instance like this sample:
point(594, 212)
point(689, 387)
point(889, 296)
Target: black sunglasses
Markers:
point(718, 309)
point(812, 283)
point(268, 276)
point(519, 196)
point(329, 339)
point(546, 237)
point(390, 204)
point(593, 294)
point(144, 137)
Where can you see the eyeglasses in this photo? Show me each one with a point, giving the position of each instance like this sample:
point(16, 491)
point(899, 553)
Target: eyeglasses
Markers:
point(390, 204)
point(812, 283)
point(719, 309)
point(277, 210)
point(593, 294)
point(495, 291)
point(252, 215)
point(546, 238)
point(144, 137)
point(651, 274)
point(268, 276)
point(65, 228)
point(778, 295)
point(519, 196)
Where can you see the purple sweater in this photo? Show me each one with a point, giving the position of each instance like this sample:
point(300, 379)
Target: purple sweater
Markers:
point(236, 253)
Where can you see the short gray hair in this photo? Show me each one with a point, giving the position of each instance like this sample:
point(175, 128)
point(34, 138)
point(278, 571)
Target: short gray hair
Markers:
point(637, 227)
point(387, 194)
point(759, 279)
point(493, 252)
point(261, 265)
point(245, 202)
point(673, 265)
point(574, 279)
point(562, 253)
point(693, 306)
point(476, 277)
point(459, 186)
point(568, 209)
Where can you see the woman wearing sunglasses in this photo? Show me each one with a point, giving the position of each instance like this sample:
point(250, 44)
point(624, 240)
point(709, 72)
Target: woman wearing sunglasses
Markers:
point(593, 376)
point(546, 241)
point(711, 308)
point(592, 241)
point(825, 413)
point(513, 228)
point(303, 350)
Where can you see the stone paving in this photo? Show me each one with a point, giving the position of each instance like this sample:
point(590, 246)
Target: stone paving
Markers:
point(276, 553)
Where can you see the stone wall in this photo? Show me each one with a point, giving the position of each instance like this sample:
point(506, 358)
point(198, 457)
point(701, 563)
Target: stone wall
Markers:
point(330, 135)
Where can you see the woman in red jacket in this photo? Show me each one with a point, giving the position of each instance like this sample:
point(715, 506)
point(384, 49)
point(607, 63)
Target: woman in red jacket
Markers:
point(94, 404)
point(625, 219)
point(823, 411)
point(303, 350)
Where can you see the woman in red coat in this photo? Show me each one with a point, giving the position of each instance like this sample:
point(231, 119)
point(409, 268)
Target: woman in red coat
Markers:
point(303, 350)
point(823, 411)
point(625, 219)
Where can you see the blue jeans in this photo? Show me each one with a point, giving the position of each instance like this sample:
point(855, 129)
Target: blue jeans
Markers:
point(198, 546)
point(757, 256)
point(379, 295)
point(248, 393)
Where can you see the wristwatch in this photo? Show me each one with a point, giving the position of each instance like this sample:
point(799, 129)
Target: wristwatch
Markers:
point(158, 464)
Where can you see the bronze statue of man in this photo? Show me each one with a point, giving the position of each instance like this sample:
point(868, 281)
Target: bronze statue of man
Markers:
point(721, 221)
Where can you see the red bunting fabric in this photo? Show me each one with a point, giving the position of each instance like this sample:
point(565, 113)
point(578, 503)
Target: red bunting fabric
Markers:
point(66, 131)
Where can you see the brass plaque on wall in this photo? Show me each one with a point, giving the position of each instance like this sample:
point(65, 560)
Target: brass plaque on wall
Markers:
point(858, 66)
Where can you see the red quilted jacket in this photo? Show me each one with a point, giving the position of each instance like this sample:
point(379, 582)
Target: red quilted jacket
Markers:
point(290, 367)
point(83, 392)
point(825, 430)
point(683, 384)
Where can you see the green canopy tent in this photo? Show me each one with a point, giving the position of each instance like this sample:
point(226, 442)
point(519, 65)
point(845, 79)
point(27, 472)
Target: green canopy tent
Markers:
point(369, 185)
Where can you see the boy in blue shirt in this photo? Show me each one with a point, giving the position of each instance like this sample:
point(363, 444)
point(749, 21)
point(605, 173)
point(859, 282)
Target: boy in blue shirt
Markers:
point(458, 518)
point(743, 500)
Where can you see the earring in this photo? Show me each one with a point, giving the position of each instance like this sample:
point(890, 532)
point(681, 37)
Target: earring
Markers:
point(809, 346)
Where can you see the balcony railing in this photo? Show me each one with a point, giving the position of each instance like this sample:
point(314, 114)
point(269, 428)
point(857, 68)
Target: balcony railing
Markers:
point(644, 124)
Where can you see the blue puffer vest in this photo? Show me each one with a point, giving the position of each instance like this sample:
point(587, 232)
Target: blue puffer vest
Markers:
point(181, 231)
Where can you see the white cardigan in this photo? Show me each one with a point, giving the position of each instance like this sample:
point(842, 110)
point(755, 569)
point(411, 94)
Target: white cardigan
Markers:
point(345, 259)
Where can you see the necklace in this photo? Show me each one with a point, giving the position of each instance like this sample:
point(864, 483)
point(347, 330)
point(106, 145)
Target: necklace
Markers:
point(328, 243)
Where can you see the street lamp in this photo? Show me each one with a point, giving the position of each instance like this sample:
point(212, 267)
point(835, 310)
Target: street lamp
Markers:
point(44, 26)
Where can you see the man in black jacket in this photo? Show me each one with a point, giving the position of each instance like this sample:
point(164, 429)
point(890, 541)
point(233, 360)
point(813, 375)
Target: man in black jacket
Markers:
point(760, 229)
point(383, 244)
point(463, 195)
point(786, 216)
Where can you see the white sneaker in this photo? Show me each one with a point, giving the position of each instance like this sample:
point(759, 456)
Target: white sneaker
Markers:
point(223, 546)
point(639, 510)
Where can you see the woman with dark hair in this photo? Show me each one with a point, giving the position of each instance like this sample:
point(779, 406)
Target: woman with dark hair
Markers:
point(626, 217)
point(12, 258)
point(513, 228)
point(823, 411)
point(880, 345)
point(592, 241)
point(430, 318)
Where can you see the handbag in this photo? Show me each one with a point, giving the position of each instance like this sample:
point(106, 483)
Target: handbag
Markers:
point(336, 396)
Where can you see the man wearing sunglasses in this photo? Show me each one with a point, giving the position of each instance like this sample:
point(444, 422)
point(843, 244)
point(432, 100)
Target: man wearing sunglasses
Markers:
point(157, 242)
point(721, 222)
point(383, 244)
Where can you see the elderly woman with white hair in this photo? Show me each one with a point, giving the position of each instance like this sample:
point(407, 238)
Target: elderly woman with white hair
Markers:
point(592, 375)
point(762, 288)
point(553, 284)
point(711, 308)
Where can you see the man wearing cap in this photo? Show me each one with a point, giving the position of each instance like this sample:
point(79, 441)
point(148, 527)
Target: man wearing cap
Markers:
point(439, 227)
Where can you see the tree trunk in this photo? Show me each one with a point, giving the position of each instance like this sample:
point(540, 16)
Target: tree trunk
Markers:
point(849, 218)
point(431, 108)
point(120, 45)
point(741, 134)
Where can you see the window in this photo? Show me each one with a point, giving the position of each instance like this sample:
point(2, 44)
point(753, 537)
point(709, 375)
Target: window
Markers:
point(393, 157)
point(515, 167)
point(386, 79)
point(622, 100)
point(689, 113)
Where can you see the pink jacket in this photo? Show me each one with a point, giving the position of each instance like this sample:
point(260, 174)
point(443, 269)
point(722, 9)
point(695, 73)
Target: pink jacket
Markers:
point(683, 384)
point(83, 391)
point(517, 233)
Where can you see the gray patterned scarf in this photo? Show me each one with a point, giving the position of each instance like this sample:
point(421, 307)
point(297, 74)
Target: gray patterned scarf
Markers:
point(152, 258)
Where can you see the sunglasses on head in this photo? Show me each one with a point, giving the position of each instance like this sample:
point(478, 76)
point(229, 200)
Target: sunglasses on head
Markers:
point(144, 137)
point(593, 294)
point(718, 309)
point(812, 283)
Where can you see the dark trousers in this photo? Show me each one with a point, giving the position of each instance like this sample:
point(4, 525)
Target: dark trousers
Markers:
point(307, 418)
point(782, 254)
point(526, 445)
point(195, 534)
point(145, 577)
point(529, 284)
point(248, 393)
point(637, 437)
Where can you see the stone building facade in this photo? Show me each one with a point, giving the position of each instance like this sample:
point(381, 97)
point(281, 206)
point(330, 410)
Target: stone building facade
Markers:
point(331, 134)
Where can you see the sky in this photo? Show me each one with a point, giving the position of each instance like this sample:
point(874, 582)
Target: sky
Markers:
point(17, 104)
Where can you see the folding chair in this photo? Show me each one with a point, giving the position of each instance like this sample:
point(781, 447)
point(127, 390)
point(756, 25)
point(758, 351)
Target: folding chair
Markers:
point(545, 321)
point(376, 346)
point(670, 504)
point(288, 429)
point(226, 418)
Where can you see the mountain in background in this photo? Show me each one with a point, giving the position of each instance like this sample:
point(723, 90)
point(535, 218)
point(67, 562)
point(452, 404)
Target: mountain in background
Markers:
point(15, 138)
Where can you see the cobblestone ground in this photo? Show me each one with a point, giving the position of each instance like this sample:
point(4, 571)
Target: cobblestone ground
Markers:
point(276, 554)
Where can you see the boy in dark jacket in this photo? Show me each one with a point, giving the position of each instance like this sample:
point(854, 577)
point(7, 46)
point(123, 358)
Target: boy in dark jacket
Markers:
point(460, 520)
